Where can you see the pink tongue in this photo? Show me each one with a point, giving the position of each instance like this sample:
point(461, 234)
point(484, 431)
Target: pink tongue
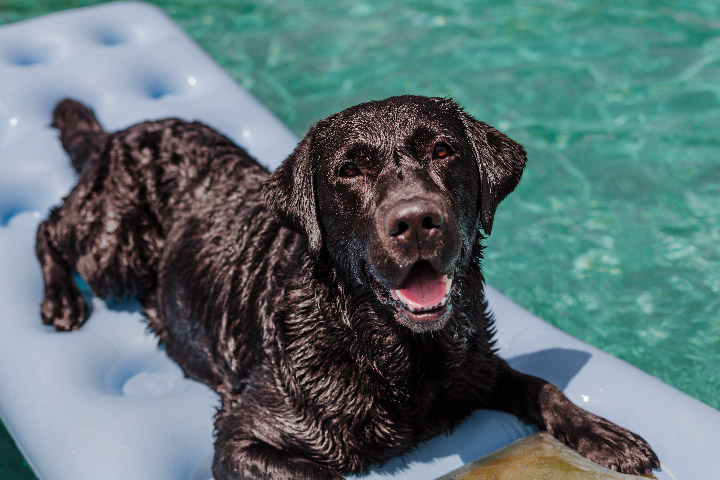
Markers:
point(423, 286)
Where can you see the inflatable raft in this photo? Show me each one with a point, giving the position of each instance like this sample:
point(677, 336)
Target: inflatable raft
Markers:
point(104, 402)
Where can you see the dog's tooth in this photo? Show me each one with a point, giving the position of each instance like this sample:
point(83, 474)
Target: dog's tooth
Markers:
point(448, 285)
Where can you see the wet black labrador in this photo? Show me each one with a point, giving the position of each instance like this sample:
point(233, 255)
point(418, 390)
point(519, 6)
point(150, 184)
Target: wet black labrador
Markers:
point(336, 305)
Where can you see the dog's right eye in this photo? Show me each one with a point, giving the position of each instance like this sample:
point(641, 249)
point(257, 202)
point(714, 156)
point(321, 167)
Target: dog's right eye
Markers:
point(349, 169)
point(442, 150)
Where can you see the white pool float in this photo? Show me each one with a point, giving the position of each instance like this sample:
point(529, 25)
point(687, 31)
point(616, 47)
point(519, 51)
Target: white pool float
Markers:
point(104, 402)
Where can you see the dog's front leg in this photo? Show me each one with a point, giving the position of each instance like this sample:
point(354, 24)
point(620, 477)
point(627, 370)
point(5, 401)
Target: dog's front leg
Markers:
point(537, 401)
point(240, 456)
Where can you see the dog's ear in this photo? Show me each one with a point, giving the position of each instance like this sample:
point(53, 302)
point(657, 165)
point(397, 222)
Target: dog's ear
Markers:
point(501, 162)
point(289, 192)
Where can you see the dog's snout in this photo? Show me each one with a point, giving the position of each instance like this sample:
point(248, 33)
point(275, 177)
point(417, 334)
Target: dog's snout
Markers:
point(414, 218)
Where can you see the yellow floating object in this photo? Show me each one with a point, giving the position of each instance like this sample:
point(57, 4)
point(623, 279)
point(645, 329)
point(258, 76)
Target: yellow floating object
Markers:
point(537, 457)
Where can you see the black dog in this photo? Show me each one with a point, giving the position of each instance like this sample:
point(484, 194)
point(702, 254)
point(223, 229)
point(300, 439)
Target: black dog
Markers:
point(335, 305)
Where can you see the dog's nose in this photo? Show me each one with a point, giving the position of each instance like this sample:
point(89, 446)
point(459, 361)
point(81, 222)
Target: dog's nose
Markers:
point(416, 218)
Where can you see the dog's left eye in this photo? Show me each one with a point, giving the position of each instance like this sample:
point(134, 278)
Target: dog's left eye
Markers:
point(349, 169)
point(442, 150)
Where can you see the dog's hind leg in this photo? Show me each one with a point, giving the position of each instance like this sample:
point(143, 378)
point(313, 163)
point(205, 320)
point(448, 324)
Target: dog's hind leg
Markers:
point(101, 233)
point(107, 240)
point(63, 305)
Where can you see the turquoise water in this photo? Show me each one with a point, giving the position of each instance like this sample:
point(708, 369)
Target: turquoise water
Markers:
point(614, 232)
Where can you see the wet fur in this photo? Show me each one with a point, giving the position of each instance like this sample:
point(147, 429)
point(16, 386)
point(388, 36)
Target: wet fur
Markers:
point(240, 280)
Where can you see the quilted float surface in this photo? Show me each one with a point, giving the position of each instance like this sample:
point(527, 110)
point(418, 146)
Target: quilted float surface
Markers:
point(104, 402)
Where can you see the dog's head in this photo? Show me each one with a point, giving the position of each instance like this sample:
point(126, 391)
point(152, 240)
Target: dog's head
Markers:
point(395, 192)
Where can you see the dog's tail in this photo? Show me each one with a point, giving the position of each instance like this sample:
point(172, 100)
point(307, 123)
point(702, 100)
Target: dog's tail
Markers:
point(80, 132)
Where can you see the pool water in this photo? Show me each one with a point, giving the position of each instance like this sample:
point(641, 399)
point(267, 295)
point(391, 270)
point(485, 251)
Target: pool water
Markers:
point(614, 232)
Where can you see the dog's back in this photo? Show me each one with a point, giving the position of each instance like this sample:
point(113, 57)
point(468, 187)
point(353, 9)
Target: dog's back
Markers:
point(155, 199)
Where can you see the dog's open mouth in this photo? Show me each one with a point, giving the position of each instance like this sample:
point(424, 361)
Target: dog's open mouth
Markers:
point(424, 293)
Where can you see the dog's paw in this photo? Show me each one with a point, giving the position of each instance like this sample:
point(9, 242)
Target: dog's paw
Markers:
point(64, 308)
point(608, 444)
